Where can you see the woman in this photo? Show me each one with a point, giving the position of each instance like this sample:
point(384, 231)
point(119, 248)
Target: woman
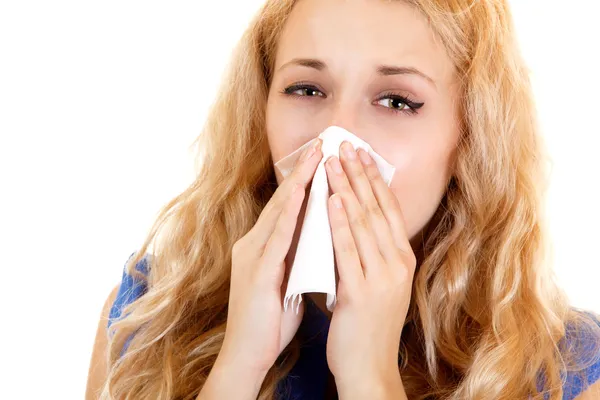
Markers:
point(444, 291)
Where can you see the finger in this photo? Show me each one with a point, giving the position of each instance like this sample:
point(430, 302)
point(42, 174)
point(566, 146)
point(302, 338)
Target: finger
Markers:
point(302, 174)
point(388, 202)
point(360, 182)
point(346, 252)
point(368, 249)
point(279, 242)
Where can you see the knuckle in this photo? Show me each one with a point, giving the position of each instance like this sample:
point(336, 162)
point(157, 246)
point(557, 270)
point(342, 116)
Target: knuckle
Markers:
point(410, 260)
point(359, 221)
point(401, 273)
point(346, 246)
point(372, 208)
point(360, 173)
point(247, 245)
point(394, 206)
point(237, 257)
point(372, 173)
point(237, 246)
point(390, 284)
point(405, 268)
point(344, 243)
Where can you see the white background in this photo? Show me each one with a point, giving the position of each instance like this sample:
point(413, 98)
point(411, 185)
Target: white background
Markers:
point(99, 102)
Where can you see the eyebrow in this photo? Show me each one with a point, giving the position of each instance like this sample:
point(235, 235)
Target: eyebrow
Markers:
point(383, 70)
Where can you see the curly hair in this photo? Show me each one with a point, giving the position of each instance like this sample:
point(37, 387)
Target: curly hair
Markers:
point(486, 319)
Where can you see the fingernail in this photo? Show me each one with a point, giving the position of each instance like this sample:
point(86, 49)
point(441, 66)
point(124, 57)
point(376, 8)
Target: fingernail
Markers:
point(334, 163)
point(317, 143)
point(364, 156)
point(349, 150)
point(337, 202)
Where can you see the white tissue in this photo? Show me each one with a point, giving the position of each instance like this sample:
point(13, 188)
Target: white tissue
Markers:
point(313, 269)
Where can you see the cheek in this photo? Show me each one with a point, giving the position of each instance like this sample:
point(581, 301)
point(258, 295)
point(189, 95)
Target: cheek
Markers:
point(419, 202)
point(286, 132)
point(280, 133)
point(420, 183)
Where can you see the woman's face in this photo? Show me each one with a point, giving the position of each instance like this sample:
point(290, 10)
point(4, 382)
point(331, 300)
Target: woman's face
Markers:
point(373, 68)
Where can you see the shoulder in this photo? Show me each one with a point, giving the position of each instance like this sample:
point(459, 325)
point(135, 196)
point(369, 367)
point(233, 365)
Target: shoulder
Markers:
point(582, 351)
point(591, 393)
point(98, 368)
point(123, 293)
point(132, 286)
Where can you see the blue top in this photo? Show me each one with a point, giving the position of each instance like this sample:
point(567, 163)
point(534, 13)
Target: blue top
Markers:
point(308, 377)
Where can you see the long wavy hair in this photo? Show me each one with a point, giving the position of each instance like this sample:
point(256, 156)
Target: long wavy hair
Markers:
point(486, 316)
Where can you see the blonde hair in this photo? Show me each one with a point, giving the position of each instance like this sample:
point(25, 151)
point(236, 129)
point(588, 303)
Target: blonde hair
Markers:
point(486, 317)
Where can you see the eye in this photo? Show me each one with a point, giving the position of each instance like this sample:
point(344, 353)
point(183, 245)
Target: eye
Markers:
point(397, 103)
point(303, 90)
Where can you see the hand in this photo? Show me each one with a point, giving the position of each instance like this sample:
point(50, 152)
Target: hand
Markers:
point(376, 267)
point(257, 327)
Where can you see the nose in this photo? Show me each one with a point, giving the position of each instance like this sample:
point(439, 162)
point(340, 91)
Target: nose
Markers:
point(345, 116)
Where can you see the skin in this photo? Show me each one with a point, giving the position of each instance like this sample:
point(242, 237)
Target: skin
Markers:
point(379, 272)
point(345, 85)
point(351, 94)
point(373, 226)
point(344, 88)
point(377, 226)
point(348, 90)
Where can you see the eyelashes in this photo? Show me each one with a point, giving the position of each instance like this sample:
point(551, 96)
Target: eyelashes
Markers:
point(411, 107)
point(398, 103)
point(305, 88)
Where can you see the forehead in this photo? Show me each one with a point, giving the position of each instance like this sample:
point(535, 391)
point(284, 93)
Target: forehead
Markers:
point(361, 34)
